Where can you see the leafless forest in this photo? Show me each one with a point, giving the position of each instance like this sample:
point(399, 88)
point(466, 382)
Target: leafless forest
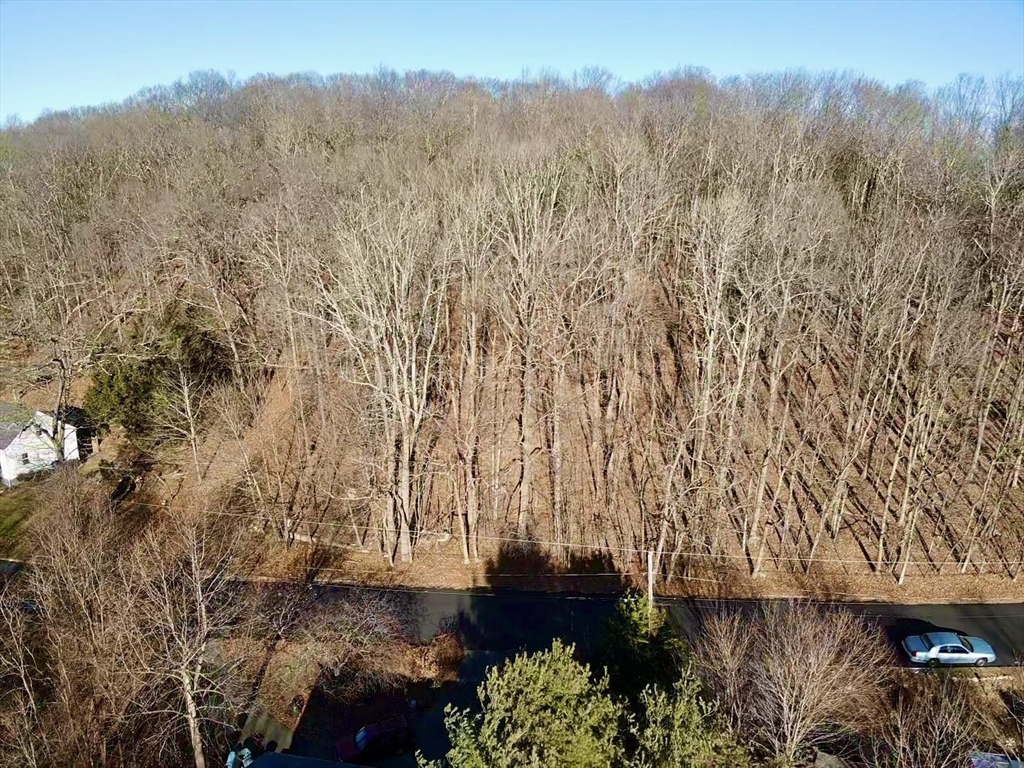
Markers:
point(771, 322)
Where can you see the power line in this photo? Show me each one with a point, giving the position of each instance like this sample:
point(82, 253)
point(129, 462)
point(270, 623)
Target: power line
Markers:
point(629, 550)
point(469, 592)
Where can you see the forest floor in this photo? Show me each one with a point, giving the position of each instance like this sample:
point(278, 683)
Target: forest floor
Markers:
point(841, 570)
point(440, 567)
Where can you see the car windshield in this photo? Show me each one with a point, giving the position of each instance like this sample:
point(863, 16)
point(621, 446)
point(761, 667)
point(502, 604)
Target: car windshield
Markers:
point(967, 645)
point(361, 738)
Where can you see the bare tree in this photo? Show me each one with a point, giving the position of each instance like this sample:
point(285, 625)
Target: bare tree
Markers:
point(531, 231)
point(384, 293)
point(190, 600)
point(85, 600)
point(932, 721)
point(19, 679)
point(797, 675)
point(1013, 698)
point(470, 316)
point(726, 649)
point(180, 408)
point(774, 320)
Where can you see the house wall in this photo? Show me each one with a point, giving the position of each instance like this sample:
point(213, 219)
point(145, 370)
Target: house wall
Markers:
point(7, 468)
point(70, 443)
point(38, 448)
point(70, 434)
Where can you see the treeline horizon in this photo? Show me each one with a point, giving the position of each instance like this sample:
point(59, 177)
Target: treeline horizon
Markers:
point(771, 321)
point(211, 84)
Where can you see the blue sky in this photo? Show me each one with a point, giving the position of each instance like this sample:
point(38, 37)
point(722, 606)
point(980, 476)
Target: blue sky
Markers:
point(76, 52)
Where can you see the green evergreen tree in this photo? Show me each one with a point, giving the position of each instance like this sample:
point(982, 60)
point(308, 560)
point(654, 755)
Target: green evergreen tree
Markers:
point(539, 711)
point(682, 729)
point(641, 649)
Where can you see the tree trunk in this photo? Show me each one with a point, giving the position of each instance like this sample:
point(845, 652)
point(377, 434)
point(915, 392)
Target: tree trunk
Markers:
point(555, 461)
point(405, 508)
point(471, 379)
point(897, 458)
point(192, 717)
point(526, 443)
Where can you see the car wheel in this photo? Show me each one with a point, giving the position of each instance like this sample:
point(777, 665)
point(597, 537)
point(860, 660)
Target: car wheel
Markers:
point(981, 662)
point(932, 663)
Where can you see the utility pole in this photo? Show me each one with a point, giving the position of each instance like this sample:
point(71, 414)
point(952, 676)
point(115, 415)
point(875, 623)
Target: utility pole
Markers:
point(650, 591)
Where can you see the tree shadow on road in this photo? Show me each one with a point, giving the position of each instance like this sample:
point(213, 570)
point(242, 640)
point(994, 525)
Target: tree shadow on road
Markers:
point(537, 598)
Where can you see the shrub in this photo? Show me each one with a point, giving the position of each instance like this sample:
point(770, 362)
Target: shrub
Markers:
point(538, 710)
point(681, 728)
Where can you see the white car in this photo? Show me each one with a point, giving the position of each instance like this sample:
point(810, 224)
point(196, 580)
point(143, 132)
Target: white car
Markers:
point(992, 760)
point(935, 648)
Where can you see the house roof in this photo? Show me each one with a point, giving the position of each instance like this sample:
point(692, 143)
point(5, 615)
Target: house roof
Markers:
point(13, 420)
point(44, 420)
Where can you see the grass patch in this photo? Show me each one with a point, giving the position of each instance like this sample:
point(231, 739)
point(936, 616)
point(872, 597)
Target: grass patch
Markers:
point(16, 505)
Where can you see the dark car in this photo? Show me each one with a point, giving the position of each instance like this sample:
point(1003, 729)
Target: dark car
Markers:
point(385, 737)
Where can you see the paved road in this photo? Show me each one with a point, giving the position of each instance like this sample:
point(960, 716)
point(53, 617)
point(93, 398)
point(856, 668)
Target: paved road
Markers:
point(1002, 624)
point(507, 622)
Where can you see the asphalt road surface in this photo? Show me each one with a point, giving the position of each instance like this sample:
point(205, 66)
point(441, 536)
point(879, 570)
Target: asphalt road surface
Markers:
point(506, 622)
point(1001, 624)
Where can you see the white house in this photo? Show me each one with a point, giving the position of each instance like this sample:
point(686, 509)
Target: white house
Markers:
point(27, 442)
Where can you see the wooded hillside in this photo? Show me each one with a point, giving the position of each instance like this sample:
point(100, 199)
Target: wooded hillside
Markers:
point(774, 321)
